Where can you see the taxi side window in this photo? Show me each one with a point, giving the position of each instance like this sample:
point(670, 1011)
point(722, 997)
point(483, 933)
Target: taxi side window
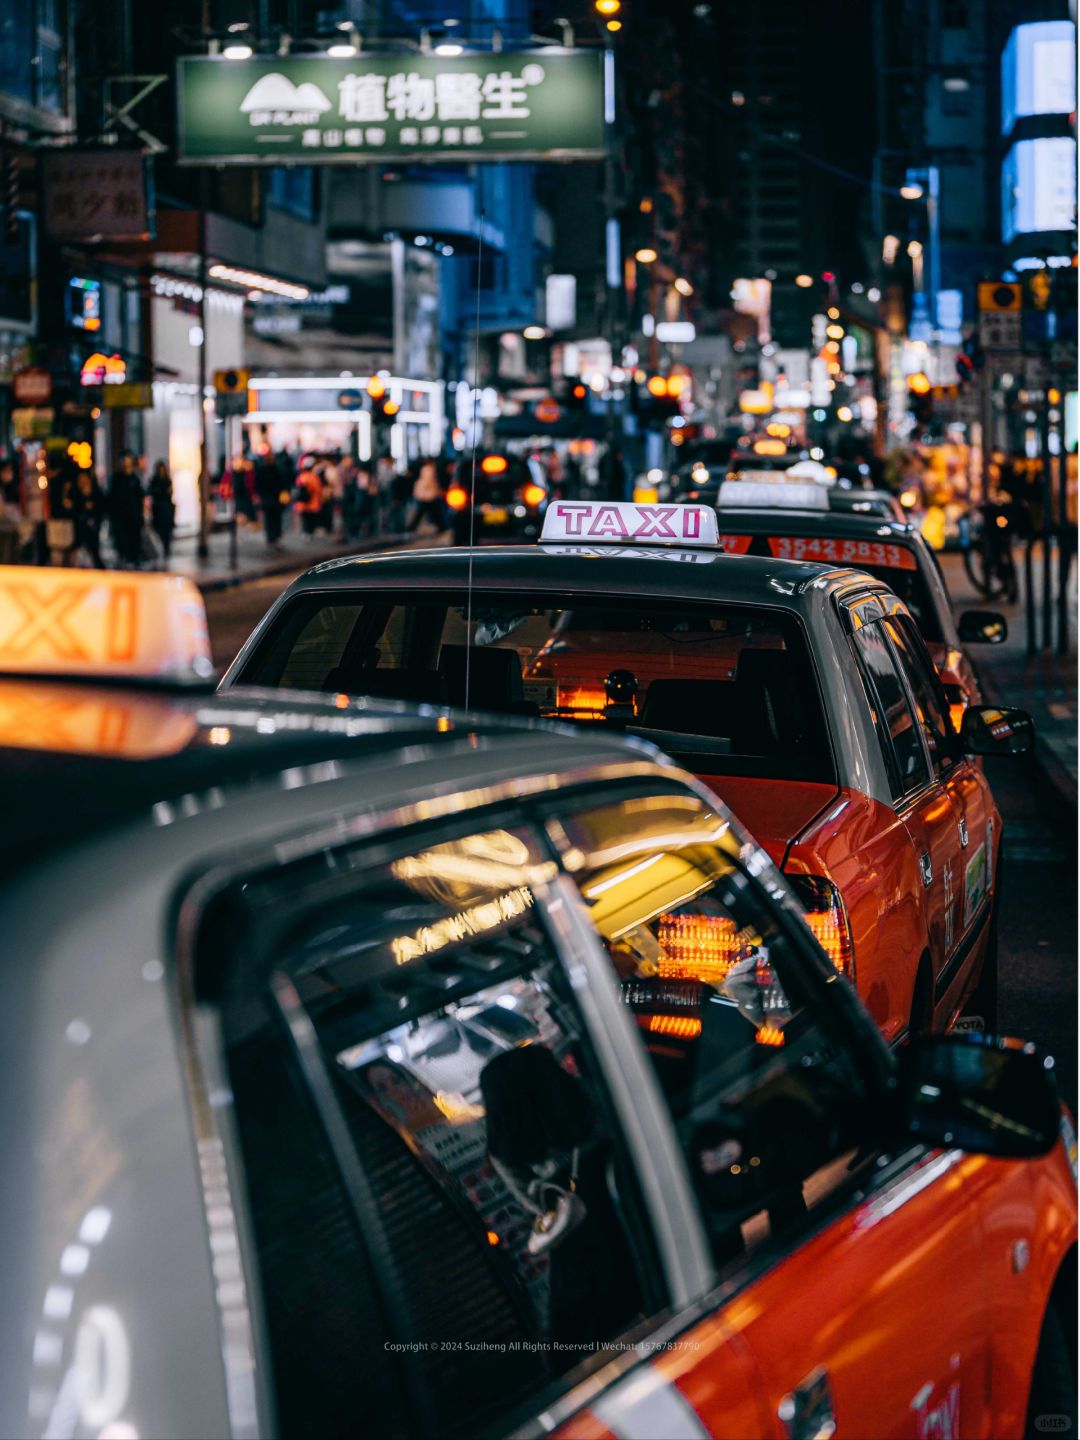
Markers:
point(930, 706)
point(766, 1101)
point(897, 729)
point(416, 1095)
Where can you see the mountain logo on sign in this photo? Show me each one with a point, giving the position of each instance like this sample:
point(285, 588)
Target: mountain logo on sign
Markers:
point(274, 99)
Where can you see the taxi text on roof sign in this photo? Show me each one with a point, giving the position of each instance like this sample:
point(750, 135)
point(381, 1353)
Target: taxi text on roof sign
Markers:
point(621, 523)
point(97, 623)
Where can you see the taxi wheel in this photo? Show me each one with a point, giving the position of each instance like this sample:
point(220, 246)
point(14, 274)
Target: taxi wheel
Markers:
point(1053, 1381)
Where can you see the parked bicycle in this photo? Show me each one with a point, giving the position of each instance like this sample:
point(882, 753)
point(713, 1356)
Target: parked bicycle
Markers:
point(986, 541)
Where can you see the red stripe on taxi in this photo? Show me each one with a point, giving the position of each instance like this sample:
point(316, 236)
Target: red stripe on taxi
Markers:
point(842, 552)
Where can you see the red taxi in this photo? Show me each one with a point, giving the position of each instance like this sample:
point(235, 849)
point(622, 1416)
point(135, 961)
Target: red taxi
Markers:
point(801, 693)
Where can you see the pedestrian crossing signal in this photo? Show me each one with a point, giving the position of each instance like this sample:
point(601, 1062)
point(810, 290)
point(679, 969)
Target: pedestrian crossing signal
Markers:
point(1000, 295)
point(231, 382)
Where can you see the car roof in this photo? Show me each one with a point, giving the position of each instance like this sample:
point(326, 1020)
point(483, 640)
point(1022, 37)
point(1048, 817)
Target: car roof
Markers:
point(691, 573)
point(76, 759)
point(843, 524)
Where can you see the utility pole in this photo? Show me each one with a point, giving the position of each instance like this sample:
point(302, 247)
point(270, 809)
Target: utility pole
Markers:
point(612, 253)
point(933, 222)
point(204, 469)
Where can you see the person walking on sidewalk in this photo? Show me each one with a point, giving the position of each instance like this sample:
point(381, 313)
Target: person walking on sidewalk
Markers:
point(268, 487)
point(162, 505)
point(353, 497)
point(89, 511)
point(310, 503)
point(428, 503)
point(126, 505)
point(331, 480)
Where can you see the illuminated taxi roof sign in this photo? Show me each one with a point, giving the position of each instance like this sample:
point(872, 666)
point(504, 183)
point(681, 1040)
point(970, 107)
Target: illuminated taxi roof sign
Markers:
point(771, 495)
point(620, 523)
point(96, 623)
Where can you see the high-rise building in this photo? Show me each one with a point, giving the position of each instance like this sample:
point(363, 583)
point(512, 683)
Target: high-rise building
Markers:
point(937, 112)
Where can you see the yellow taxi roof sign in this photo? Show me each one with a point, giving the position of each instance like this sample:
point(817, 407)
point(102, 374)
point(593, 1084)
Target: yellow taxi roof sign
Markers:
point(100, 623)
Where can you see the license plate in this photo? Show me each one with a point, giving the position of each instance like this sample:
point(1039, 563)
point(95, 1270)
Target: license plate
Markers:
point(494, 516)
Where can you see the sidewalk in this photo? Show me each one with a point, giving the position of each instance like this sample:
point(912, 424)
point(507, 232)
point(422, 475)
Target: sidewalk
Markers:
point(255, 559)
point(1043, 684)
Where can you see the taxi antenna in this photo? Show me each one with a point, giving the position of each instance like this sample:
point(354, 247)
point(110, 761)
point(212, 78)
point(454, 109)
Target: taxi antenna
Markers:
point(472, 476)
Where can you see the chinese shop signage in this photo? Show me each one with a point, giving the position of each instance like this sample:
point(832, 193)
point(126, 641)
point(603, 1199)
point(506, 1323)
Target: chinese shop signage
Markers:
point(523, 105)
point(96, 195)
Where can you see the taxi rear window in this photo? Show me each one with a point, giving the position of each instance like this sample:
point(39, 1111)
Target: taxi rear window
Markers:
point(890, 561)
point(725, 689)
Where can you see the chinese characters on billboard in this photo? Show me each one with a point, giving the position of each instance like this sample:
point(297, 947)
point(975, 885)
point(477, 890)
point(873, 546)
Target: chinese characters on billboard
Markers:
point(522, 106)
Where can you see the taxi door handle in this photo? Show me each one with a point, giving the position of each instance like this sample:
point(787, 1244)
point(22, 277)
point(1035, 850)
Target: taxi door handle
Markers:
point(926, 866)
point(963, 834)
point(806, 1413)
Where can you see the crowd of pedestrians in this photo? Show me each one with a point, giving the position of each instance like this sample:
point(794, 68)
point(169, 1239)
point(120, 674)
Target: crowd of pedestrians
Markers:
point(63, 515)
point(334, 495)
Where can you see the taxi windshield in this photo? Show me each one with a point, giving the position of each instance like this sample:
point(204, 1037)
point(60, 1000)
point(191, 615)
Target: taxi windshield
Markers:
point(726, 689)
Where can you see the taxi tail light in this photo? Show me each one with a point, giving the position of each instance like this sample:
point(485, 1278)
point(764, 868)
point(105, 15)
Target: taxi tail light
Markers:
point(827, 917)
point(457, 497)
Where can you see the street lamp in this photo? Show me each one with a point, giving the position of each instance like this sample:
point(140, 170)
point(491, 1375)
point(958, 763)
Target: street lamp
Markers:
point(350, 46)
point(804, 281)
point(237, 49)
point(645, 256)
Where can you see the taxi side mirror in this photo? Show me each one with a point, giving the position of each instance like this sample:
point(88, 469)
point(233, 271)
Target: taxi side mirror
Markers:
point(980, 1093)
point(991, 730)
point(982, 627)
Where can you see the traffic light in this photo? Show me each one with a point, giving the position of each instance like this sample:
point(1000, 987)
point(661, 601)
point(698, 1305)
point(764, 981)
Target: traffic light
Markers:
point(607, 11)
point(972, 357)
point(920, 394)
point(661, 396)
point(577, 397)
point(383, 409)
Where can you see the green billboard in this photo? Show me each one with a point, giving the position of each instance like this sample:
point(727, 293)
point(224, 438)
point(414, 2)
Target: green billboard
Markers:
point(314, 109)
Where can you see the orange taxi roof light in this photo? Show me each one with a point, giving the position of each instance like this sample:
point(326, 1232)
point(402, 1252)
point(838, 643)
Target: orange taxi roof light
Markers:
point(97, 623)
point(493, 464)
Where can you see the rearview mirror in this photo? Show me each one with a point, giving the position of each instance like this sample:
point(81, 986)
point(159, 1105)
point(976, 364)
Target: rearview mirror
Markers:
point(990, 730)
point(982, 627)
point(980, 1093)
